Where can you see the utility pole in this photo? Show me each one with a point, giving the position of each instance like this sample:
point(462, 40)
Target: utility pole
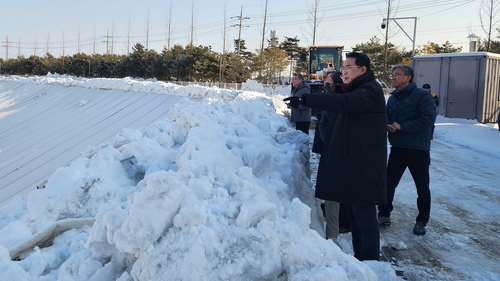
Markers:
point(7, 45)
point(241, 18)
point(107, 36)
point(262, 44)
point(386, 49)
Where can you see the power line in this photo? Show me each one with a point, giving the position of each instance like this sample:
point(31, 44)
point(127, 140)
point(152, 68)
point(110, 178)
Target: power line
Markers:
point(284, 19)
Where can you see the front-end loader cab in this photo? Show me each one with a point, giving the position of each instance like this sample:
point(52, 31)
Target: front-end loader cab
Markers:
point(320, 60)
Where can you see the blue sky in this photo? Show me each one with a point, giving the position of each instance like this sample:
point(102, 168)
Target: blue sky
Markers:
point(32, 26)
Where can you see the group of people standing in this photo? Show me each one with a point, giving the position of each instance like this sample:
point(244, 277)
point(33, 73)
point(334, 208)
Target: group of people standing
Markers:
point(353, 169)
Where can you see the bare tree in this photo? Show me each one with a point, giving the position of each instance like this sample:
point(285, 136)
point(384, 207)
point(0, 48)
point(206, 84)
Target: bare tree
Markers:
point(314, 19)
point(18, 53)
point(95, 38)
point(487, 13)
point(78, 40)
point(127, 36)
point(47, 44)
point(112, 37)
point(62, 51)
point(263, 39)
point(168, 23)
point(35, 47)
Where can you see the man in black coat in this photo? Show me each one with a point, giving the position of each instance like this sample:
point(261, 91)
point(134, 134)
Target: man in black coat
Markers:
point(352, 168)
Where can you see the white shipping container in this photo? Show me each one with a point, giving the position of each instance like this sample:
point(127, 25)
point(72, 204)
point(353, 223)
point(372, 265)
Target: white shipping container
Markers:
point(468, 84)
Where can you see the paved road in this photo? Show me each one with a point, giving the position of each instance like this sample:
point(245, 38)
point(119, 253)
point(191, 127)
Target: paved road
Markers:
point(462, 236)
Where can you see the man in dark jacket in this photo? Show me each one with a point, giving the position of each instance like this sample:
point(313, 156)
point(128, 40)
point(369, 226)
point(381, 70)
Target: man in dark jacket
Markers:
point(301, 116)
point(352, 168)
point(411, 112)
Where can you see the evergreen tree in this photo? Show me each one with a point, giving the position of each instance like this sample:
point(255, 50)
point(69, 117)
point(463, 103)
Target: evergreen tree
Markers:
point(291, 47)
point(375, 51)
point(238, 68)
point(434, 48)
point(494, 46)
point(243, 48)
point(205, 64)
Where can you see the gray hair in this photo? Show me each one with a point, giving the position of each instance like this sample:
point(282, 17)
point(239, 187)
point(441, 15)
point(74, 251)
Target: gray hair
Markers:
point(407, 70)
point(299, 76)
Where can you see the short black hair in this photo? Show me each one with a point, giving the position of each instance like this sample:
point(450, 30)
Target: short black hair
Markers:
point(426, 86)
point(406, 69)
point(360, 59)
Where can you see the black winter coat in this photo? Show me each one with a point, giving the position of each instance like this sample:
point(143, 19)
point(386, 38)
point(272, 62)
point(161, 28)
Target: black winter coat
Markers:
point(352, 169)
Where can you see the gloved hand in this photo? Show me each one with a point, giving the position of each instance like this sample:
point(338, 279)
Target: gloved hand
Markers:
point(294, 101)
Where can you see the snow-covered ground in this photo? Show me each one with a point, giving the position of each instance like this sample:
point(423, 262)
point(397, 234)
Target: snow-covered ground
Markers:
point(216, 188)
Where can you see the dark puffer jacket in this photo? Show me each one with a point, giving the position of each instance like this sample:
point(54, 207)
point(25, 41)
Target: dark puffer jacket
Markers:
point(415, 110)
point(352, 169)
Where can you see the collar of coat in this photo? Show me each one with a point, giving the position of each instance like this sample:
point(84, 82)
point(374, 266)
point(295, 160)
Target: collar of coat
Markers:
point(356, 82)
point(302, 85)
point(408, 89)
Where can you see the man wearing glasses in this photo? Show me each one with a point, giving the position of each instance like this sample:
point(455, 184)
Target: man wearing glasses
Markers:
point(411, 112)
point(352, 168)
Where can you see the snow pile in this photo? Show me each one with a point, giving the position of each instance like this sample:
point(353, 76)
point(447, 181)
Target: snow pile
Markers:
point(218, 191)
point(129, 85)
point(252, 85)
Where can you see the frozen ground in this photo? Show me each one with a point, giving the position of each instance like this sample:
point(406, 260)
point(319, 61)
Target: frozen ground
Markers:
point(462, 235)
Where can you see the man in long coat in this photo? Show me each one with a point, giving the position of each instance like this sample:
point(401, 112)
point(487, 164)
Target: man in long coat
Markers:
point(352, 169)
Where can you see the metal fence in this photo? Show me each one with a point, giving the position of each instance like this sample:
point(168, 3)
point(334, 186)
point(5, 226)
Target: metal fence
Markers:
point(222, 85)
point(229, 86)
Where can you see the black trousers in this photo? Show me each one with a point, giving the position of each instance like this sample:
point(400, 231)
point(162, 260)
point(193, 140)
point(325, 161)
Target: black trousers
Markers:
point(343, 217)
point(303, 126)
point(364, 231)
point(418, 162)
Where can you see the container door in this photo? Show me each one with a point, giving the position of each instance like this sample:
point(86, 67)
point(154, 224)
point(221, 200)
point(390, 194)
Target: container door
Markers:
point(461, 96)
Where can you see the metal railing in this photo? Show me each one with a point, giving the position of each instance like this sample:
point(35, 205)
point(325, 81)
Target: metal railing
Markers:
point(222, 85)
point(229, 86)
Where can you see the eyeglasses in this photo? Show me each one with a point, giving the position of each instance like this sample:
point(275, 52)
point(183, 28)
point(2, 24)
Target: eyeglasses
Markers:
point(347, 67)
point(396, 75)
